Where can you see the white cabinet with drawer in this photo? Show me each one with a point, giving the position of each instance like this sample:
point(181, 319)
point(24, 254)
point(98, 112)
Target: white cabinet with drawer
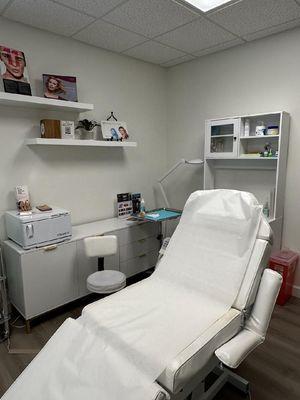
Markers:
point(138, 264)
point(138, 248)
point(138, 232)
point(42, 279)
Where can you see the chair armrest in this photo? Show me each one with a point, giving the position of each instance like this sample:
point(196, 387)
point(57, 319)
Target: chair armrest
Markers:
point(236, 350)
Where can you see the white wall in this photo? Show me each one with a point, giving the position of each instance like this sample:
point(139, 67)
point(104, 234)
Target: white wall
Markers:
point(165, 111)
point(83, 180)
point(257, 77)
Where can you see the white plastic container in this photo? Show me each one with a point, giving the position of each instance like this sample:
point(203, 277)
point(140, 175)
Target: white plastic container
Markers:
point(260, 129)
point(247, 127)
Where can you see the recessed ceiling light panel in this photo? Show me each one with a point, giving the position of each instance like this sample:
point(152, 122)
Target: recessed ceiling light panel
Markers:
point(207, 5)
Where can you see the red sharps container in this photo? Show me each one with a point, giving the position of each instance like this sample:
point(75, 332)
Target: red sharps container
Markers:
point(284, 262)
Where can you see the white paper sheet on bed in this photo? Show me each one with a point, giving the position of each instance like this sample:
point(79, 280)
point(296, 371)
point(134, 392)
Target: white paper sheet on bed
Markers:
point(122, 343)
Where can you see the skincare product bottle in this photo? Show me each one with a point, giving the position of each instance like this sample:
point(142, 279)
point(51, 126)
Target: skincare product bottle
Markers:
point(266, 210)
point(260, 129)
point(142, 208)
point(247, 127)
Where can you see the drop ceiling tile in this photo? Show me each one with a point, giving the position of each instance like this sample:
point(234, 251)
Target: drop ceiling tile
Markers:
point(178, 61)
point(154, 52)
point(92, 7)
point(249, 16)
point(219, 47)
point(46, 15)
point(3, 3)
point(150, 17)
point(195, 36)
point(273, 30)
point(103, 34)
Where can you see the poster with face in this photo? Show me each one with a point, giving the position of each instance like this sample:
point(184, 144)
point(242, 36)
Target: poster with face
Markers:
point(60, 87)
point(14, 71)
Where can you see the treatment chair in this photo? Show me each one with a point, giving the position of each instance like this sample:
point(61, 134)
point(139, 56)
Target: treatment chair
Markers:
point(206, 307)
point(232, 338)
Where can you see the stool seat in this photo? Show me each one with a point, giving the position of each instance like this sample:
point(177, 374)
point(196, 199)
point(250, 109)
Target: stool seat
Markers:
point(107, 281)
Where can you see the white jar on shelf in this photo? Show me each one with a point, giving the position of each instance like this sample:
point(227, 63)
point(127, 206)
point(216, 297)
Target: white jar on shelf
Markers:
point(260, 129)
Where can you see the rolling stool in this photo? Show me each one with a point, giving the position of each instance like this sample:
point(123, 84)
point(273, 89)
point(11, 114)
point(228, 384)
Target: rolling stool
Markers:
point(106, 281)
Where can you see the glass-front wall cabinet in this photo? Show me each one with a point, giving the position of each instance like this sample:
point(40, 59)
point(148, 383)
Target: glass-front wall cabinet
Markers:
point(221, 138)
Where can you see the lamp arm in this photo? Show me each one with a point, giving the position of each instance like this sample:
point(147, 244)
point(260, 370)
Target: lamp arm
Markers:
point(164, 194)
point(172, 169)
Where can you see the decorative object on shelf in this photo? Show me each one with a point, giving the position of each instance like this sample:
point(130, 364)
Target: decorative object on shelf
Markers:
point(22, 198)
point(268, 152)
point(60, 87)
point(112, 129)
point(67, 129)
point(14, 71)
point(87, 129)
point(260, 129)
point(124, 204)
point(50, 129)
point(273, 130)
point(56, 129)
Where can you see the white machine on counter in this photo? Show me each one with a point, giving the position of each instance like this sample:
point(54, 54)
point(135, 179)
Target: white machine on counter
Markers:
point(39, 228)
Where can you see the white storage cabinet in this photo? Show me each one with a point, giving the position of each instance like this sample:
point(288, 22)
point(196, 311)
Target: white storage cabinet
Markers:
point(43, 279)
point(236, 163)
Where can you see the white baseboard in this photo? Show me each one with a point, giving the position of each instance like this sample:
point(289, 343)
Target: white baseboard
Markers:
point(296, 291)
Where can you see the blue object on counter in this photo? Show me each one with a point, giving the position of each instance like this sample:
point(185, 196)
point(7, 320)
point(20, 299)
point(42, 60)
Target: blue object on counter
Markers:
point(162, 214)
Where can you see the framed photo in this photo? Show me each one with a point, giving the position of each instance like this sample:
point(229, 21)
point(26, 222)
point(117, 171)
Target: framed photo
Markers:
point(114, 130)
point(60, 87)
point(13, 70)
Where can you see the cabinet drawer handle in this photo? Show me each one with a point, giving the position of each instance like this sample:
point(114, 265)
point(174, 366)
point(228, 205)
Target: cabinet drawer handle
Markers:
point(50, 248)
point(142, 255)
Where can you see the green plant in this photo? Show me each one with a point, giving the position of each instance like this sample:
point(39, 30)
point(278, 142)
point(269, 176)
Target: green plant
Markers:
point(87, 125)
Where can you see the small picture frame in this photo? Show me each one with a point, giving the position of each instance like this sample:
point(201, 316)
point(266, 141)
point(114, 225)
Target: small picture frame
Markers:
point(114, 130)
point(60, 87)
point(67, 129)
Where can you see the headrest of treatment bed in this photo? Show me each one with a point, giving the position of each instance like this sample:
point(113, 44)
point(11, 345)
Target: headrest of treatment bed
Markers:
point(211, 247)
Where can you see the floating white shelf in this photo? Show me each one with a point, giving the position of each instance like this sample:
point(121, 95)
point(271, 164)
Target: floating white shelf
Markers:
point(77, 142)
point(19, 100)
point(259, 137)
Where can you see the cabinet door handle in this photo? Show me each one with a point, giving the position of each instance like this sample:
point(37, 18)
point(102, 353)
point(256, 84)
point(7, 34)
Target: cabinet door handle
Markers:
point(142, 255)
point(50, 248)
point(142, 240)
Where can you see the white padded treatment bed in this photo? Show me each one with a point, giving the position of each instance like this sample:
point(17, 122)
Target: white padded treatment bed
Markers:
point(158, 338)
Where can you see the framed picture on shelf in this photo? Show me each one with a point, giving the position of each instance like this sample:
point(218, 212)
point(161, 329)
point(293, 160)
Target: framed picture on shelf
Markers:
point(114, 130)
point(60, 87)
point(13, 70)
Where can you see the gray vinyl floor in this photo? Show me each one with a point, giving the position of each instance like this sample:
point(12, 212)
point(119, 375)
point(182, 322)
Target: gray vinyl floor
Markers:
point(273, 369)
